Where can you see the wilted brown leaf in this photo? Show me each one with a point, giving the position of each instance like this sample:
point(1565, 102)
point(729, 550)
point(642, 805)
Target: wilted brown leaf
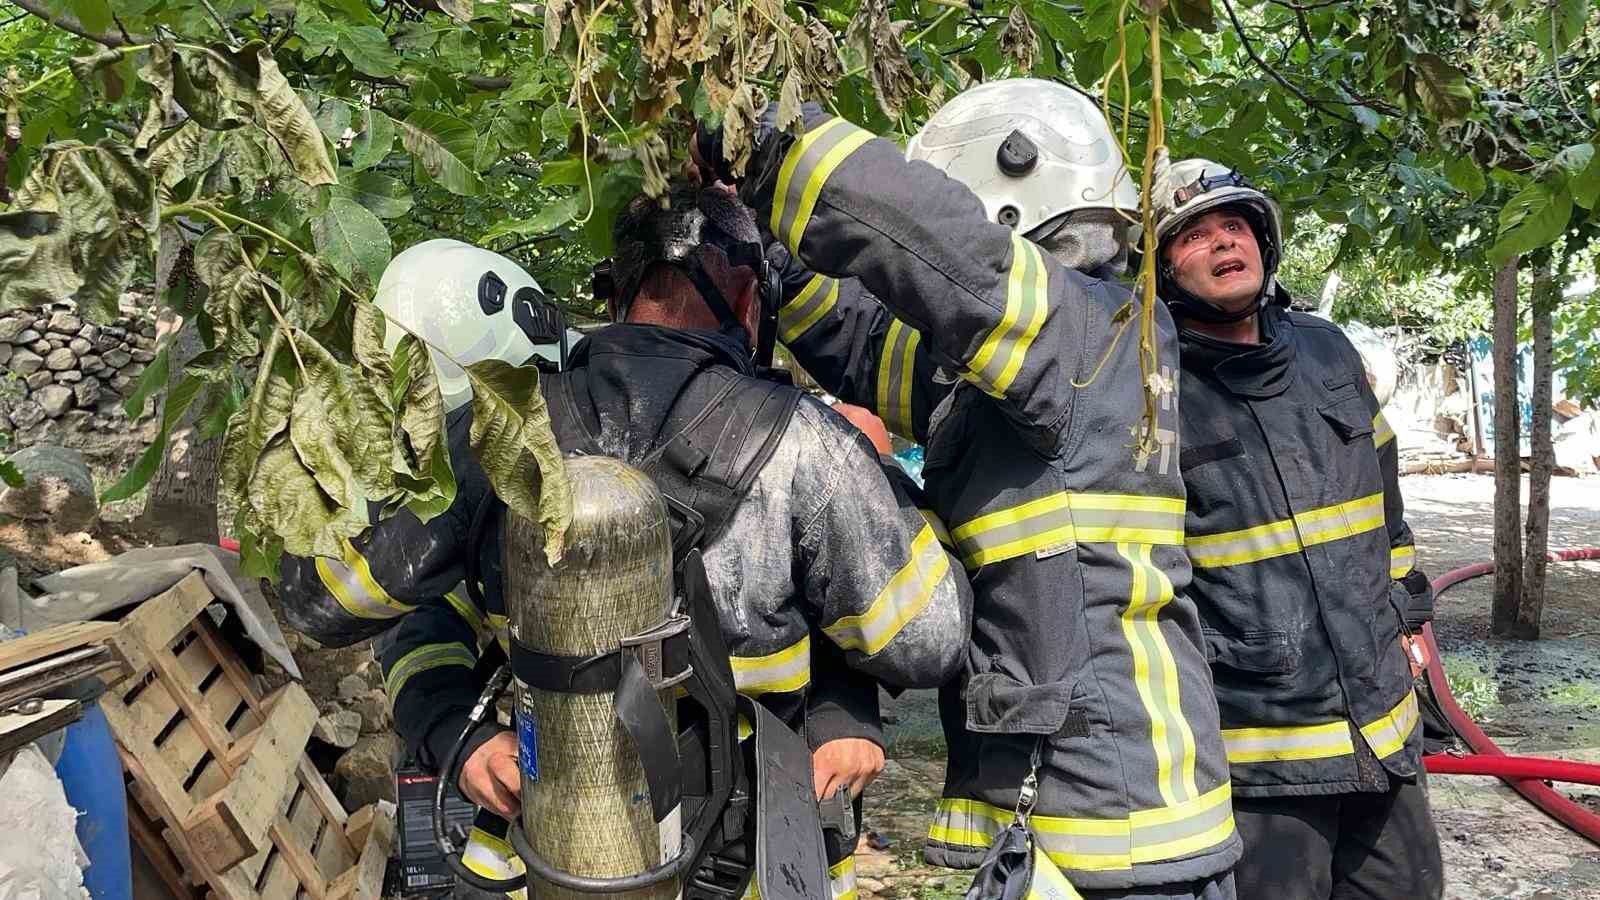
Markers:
point(1018, 41)
point(738, 129)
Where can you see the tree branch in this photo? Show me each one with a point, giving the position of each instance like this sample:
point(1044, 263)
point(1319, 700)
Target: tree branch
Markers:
point(68, 23)
point(479, 82)
point(1251, 50)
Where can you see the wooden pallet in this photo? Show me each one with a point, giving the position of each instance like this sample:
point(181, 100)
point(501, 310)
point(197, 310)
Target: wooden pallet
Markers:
point(224, 799)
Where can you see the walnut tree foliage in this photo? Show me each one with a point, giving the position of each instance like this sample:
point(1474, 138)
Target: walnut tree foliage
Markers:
point(259, 161)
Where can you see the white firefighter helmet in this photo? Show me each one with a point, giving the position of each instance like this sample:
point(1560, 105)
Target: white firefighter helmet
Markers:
point(1193, 187)
point(1032, 151)
point(463, 300)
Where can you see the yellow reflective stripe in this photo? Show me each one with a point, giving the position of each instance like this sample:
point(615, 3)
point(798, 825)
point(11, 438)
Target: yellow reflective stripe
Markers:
point(1097, 845)
point(1285, 743)
point(896, 367)
point(500, 627)
point(788, 669)
point(1307, 529)
point(1387, 735)
point(1402, 560)
point(1060, 520)
point(428, 656)
point(1155, 675)
point(812, 303)
point(900, 601)
point(806, 168)
point(1000, 356)
point(842, 879)
point(490, 855)
point(1381, 432)
point(939, 531)
point(351, 583)
point(466, 611)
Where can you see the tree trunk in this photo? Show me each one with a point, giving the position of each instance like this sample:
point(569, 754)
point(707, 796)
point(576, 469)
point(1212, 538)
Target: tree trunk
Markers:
point(1507, 455)
point(181, 504)
point(1531, 607)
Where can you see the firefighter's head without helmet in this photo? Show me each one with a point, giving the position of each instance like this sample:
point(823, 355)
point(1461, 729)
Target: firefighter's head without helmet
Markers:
point(1220, 239)
point(468, 302)
point(1043, 160)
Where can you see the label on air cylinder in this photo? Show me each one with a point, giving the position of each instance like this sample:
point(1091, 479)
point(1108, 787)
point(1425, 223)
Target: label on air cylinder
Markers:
point(528, 743)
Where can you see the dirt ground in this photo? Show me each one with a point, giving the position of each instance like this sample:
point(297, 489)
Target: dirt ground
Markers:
point(1541, 697)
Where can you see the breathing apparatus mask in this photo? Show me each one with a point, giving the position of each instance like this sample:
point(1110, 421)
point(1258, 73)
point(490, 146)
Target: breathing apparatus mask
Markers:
point(692, 223)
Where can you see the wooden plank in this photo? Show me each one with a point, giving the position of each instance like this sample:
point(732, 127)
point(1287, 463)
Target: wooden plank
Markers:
point(17, 729)
point(157, 622)
point(295, 836)
point(161, 857)
point(212, 733)
point(166, 790)
point(54, 640)
point(317, 787)
point(282, 883)
point(231, 825)
point(364, 880)
point(228, 658)
point(157, 703)
point(251, 868)
point(332, 848)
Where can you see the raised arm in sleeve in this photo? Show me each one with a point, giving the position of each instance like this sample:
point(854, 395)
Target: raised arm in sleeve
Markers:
point(878, 581)
point(856, 349)
point(849, 205)
point(432, 678)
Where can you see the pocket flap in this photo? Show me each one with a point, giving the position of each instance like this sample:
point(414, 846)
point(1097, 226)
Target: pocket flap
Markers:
point(1000, 704)
point(1349, 417)
point(1253, 651)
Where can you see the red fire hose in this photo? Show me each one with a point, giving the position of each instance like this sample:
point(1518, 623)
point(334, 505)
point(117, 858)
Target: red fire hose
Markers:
point(1523, 774)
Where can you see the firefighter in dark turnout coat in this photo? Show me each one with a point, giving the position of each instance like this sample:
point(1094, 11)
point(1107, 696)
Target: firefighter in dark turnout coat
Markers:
point(1304, 569)
point(1086, 665)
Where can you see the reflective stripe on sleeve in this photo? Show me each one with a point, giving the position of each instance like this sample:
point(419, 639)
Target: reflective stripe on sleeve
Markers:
point(1402, 560)
point(1097, 845)
point(1282, 744)
point(1058, 521)
point(788, 669)
point(797, 316)
point(428, 656)
point(1000, 356)
point(900, 601)
point(896, 366)
point(1155, 675)
point(1381, 432)
point(466, 611)
point(490, 855)
point(1387, 736)
point(805, 169)
point(939, 531)
point(350, 582)
point(842, 878)
point(1317, 526)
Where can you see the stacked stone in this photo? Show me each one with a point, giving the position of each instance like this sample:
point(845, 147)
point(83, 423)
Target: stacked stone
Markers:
point(58, 363)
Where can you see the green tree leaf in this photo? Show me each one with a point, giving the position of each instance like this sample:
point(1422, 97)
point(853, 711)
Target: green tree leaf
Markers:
point(10, 475)
point(313, 430)
point(444, 145)
point(383, 196)
point(1533, 218)
point(287, 499)
point(554, 214)
point(95, 15)
point(376, 139)
point(281, 113)
point(1466, 176)
point(264, 415)
point(352, 239)
point(1586, 184)
point(367, 48)
point(195, 88)
point(1442, 88)
point(35, 259)
point(362, 423)
point(151, 380)
point(511, 439)
point(1196, 14)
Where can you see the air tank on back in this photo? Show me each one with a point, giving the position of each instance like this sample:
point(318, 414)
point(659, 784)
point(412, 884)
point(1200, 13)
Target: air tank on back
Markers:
point(585, 803)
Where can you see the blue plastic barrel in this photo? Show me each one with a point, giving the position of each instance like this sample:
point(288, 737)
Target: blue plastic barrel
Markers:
point(92, 775)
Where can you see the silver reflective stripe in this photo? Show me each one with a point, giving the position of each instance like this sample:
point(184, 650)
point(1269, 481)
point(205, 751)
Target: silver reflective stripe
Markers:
point(806, 167)
point(788, 669)
point(1387, 736)
point(900, 601)
point(428, 656)
point(1286, 743)
point(895, 372)
point(1155, 675)
point(999, 358)
point(797, 316)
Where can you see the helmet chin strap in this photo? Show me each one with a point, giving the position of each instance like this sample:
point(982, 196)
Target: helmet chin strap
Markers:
point(1185, 305)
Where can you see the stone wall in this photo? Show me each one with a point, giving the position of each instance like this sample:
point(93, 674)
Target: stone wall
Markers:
point(64, 379)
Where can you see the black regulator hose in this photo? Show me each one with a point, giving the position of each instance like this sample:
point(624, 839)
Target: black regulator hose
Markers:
point(452, 856)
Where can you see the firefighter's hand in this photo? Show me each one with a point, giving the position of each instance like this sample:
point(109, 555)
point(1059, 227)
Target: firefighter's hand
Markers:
point(846, 761)
point(490, 777)
point(870, 425)
point(1416, 653)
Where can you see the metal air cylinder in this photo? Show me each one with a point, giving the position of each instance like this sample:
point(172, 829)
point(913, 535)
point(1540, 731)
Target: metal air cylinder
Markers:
point(585, 803)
